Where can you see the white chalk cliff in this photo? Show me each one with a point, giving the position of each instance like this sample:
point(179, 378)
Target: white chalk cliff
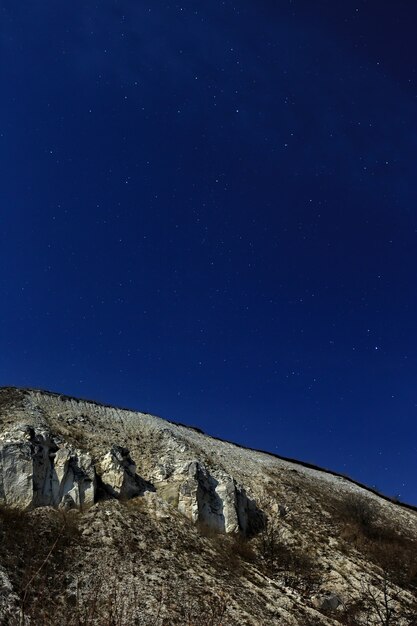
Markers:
point(38, 468)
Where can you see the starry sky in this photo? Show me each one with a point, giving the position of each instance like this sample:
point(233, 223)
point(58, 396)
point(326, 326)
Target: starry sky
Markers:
point(208, 212)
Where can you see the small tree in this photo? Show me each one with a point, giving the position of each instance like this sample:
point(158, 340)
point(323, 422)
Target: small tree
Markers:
point(381, 603)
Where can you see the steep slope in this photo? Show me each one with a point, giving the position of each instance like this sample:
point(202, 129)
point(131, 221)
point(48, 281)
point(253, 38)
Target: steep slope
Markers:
point(110, 516)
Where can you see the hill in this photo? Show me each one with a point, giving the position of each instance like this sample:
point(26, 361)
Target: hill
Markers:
point(115, 517)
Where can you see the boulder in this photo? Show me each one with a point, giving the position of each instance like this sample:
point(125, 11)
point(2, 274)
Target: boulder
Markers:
point(327, 602)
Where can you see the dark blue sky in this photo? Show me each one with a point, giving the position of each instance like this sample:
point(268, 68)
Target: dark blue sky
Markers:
point(208, 211)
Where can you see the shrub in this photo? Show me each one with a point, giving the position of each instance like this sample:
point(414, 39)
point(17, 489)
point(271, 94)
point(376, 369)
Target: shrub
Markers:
point(243, 548)
point(361, 512)
point(293, 566)
point(35, 552)
point(363, 526)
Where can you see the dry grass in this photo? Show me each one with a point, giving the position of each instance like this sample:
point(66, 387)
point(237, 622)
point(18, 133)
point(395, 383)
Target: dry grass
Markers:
point(39, 550)
point(37, 554)
point(362, 525)
point(10, 398)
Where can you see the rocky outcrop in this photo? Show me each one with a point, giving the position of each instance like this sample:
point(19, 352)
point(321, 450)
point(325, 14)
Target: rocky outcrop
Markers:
point(16, 474)
point(36, 470)
point(39, 469)
point(117, 472)
point(216, 501)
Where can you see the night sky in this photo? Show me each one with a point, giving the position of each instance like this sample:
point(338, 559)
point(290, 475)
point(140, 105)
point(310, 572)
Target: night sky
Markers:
point(208, 212)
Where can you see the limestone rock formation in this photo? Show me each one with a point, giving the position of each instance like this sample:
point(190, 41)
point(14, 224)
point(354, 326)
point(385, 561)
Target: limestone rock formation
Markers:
point(16, 473)
point(217, 502)
point(117, 472)
point(40, 469)
point(36, 470)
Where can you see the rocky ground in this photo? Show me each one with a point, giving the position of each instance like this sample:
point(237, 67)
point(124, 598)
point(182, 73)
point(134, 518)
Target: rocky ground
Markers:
point(113, 517)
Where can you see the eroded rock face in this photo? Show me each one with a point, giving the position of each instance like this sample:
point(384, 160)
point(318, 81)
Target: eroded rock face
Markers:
point(39, 469)
point(16, 474)
point(36, 471)
point(218, 502)
point(117, 472)
point(74, 478)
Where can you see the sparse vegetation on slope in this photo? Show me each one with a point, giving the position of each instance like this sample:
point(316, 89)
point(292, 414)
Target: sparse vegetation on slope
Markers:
point(217, 535)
